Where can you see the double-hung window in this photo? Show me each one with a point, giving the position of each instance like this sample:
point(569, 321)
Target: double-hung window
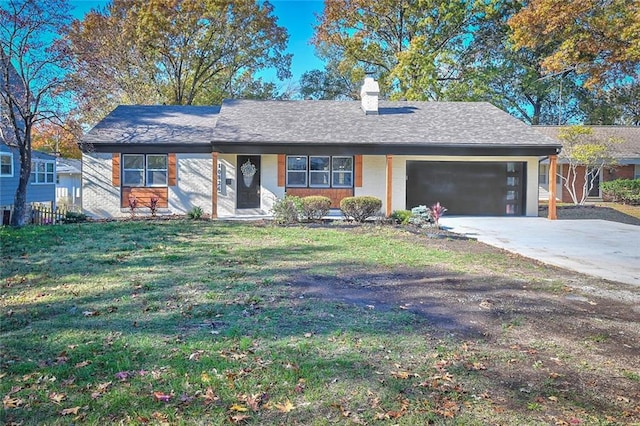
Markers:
point(342, 172)
point(319, 171)
point(6, 164)
point(43, 172)
point(144, 170)
point(297, 171)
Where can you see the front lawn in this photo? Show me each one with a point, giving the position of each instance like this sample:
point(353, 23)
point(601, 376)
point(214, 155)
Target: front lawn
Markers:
point(195, 322)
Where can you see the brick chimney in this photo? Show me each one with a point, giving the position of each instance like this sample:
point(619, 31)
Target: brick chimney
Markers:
point(369, 96)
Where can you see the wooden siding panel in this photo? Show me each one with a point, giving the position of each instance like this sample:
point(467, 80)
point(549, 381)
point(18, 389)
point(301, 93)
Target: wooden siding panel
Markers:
point(115, 169)
point(358, 171)
point(143, 195)
point(172, 178)
point(282, 169)
point(334, 194)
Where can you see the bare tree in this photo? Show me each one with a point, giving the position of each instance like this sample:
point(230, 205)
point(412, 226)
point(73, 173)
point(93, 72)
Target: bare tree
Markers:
point(32, 65)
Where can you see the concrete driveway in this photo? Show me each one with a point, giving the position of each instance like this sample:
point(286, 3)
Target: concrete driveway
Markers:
point(600, 248)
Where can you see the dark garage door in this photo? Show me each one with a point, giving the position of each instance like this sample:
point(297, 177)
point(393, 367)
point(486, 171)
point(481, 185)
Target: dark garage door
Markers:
point(467, 188)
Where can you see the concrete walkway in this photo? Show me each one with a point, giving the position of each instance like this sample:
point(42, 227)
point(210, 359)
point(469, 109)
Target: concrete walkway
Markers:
point(600, 248)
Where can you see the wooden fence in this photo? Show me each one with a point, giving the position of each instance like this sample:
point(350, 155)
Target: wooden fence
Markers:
point(41, 215)
point(37, 215)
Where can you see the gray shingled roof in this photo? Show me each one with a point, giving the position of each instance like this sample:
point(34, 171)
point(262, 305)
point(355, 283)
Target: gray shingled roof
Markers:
point(627, 149)
point(423, 125)
point(155, 124)
point(338, 122)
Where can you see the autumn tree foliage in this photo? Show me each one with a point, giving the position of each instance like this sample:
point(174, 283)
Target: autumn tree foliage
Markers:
point(175, 52)
point(412, 46)
point(31, 66)
point(58, 139)
point(597, 38)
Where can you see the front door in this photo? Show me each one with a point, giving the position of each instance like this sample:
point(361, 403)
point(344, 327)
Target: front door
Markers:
point(595, 190)
point(248, 182)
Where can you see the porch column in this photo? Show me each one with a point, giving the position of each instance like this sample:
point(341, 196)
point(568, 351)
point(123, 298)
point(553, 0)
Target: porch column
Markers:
point(553, 165)
point(214, 186)
point(389, 185)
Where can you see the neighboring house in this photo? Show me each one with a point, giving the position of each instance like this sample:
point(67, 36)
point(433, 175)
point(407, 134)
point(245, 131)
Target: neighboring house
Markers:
point(626, 154)
point(42, 184)
point(237, 159)
point(69, 183)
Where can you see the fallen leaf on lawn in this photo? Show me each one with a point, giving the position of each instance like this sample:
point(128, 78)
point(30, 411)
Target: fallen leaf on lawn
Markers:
point(239, 408)
point(90, 313)
point(82, 364)
point(68, 411)
point(8, 402)
point(553, 398)
point(57, 397)
point(161, 396)
point(403, 374)
point(122, 375)
point(239, 418)
point(286, 407)
point(476, 366)
point(195, 356)
point(205, 378)
point(69, 381)
point(254, 401)
point(209, 396)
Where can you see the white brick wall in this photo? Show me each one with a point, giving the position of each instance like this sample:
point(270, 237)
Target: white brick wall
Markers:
point(100, 199)
point(194, 182)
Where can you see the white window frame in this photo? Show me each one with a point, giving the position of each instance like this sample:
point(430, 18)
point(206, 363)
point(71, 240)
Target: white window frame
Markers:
point(326, 172)
point(46, 177)
point(334, 171)
point(8, 155)
point(145, 170)
point(308, 172)
point(148, 170)
point(304, 172)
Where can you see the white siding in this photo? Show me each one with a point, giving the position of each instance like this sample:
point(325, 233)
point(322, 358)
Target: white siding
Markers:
point(270, 191)
point(194, 180)
point(99, 197)
point(227, 193)
point(69, 190)
point(373, 177)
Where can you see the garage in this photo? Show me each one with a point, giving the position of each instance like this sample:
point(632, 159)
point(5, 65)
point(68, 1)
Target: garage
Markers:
point(468, 188)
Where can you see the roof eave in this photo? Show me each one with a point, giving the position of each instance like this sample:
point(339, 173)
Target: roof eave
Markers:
point(384, 149)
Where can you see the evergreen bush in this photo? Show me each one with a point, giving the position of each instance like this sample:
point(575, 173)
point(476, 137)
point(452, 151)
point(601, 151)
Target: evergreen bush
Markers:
point(315, 207)
point(626, 191)
point(287, 210)
point(360, 208)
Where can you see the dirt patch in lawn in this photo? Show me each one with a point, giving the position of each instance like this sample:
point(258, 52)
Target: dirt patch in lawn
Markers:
point(543, 332)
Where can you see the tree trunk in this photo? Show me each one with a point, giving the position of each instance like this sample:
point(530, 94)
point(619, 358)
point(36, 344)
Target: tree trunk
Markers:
point(20, 211)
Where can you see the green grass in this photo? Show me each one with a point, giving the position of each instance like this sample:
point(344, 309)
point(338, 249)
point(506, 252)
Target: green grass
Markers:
point(185, 322)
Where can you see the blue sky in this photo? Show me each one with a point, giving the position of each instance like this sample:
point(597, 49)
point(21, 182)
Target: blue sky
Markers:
point(297, 16)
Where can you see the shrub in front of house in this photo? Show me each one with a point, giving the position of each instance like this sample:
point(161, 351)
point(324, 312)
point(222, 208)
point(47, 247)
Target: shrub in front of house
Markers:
point(421, 216)
point(360, 208)
point(315, 207)
point(287, 210)
point(401, 217)
point(74, 217)
point(626, 191)
point(195, 213)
